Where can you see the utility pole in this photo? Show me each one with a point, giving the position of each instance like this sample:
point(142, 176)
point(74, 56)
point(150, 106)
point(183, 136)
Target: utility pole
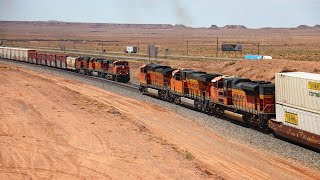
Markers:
point(258, 48)
point(138, 47)
point(102, 46)
point(149, 53)
point(187, 48)
point(64, 44)
point(217, 53)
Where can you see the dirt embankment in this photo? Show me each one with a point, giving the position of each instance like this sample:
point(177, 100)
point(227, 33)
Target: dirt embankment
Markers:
point(255, 70)
point(53, 127)
point(50, 131)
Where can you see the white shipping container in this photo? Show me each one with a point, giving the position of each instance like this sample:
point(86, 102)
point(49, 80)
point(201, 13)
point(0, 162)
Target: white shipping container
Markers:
point(4, 49)
point(1, 52)
point(21, 54)
point(297, 118)
point(5, 52)
point(17, 53)
point(14, 53)
point(71, 63)
point(24, 54)
point(298, 89)
point(8, 53)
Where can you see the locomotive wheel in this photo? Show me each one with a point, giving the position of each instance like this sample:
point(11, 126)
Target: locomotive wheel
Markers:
point(177, 100)
point(198, 105)
point(162, 95)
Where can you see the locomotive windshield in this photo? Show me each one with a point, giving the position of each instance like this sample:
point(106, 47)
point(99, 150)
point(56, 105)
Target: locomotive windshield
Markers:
point(267, 90)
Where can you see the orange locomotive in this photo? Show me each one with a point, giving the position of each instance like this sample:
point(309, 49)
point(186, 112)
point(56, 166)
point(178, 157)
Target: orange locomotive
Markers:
point(240, 99)
point(244, 100)
point(110, 69)
point(155, 79)
point(192, 88)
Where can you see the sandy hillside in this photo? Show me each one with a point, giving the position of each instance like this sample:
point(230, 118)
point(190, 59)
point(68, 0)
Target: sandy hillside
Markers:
point(53, 127)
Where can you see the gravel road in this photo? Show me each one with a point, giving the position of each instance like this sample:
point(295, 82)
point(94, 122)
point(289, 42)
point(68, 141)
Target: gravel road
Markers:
point(247, 136)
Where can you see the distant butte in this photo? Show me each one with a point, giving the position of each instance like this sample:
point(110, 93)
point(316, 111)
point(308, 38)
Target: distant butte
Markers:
point(316, 26)
point(234, 27)
point(303, 27)
point(213, 27)
point(103, 26)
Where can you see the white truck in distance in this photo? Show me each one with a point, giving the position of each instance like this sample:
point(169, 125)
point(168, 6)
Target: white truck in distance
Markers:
point(131, 49)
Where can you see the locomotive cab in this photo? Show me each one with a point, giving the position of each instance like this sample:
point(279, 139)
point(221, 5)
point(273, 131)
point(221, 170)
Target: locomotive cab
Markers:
point(82, 64)
point(120, 71)
point(143, 75)
point(256, 96)
point(267, 98)
point(221, 91)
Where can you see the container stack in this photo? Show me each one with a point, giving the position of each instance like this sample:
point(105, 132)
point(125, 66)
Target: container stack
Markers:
point(298, 104)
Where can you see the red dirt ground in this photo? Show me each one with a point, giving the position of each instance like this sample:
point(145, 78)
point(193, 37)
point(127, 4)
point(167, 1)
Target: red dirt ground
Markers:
point(56, 128)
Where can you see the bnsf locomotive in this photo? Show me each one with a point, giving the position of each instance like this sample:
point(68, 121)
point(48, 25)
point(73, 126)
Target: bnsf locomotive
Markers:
point(248, 102)
point(110, 69)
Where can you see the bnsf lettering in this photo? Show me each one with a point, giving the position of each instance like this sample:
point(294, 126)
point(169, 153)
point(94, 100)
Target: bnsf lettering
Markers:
point(193, 86)
point(237, 96)
point(158, 76)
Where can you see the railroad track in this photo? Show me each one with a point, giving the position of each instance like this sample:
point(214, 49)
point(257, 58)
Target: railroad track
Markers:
point(128, 85)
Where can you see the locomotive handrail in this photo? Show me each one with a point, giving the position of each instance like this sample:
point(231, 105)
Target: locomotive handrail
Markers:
point(272, 105)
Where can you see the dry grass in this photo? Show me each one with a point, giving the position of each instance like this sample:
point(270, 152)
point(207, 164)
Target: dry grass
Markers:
point(290, 44)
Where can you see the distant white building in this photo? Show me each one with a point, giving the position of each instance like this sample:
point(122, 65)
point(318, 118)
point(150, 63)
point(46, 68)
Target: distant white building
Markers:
point(131, 49)
point(267, 57)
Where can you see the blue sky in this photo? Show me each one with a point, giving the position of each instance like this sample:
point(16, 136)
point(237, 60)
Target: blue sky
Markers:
point(195, 13)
